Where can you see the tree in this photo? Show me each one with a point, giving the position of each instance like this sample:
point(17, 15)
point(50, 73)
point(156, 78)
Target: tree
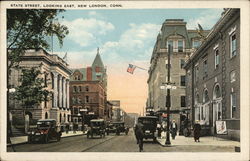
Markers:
point(30, 28)
point(32, 89)
point(26, 29)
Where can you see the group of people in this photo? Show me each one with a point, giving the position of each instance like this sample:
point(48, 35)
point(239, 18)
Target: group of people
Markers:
point(173, 130)
point(163, 127)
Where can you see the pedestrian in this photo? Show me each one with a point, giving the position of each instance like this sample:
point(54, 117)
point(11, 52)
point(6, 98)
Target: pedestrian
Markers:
point(139, 134)
point(159, 129)
point(197, 129)
point(67, 128)
point(173, 129)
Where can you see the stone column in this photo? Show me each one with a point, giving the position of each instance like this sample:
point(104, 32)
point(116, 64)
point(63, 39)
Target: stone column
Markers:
point(60, 91)
point(64, 92)
point(55, 105)
point(67, 94)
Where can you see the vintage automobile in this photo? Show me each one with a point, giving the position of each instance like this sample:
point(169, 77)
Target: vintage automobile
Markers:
point(45, 131)
point(97, 127)
point(120, 128)
point(149, 126)
point(110, 128)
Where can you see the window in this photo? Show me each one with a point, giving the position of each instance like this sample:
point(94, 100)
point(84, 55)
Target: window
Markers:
point(183, 80)
point(79, 101)
point(180, 45)
point(87, 88)
point(45, 79)
point(233, 45)
point(170, 42)
point(80, 89)
point(74, 89)
point(196, 43)
point(183, 101)
point(86, 99)
point(182, 63)
point(205, 69)
point(52, 80)
point(196, 73)
point(217, 58)
point(233, 104)
point(232, 77)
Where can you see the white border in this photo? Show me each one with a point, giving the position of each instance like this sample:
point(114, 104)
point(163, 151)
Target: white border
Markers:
point(244, 92)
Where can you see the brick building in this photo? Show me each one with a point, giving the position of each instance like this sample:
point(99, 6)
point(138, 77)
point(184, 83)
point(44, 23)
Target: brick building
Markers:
point(213, 76)
point(88, 93)
point(184, 42)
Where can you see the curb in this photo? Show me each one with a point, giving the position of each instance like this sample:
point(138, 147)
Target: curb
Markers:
point(26, 142)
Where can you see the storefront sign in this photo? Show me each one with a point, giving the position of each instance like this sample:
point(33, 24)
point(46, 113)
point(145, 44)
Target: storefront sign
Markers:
point(221, 128)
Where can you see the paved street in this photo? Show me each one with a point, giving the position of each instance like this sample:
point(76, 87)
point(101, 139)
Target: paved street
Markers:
point(127, 143)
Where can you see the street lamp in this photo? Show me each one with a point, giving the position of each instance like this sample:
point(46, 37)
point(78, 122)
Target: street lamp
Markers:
point(168, 86)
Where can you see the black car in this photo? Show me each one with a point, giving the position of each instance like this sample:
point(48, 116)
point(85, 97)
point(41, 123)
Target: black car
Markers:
point(149, 126)
point(45, 131)
point(97, 127)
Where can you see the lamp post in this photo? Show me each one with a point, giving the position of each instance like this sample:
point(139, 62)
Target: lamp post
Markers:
point(168, 85)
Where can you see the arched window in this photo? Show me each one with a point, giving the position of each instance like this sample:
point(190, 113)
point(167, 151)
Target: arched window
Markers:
point(217, 92)
point(205, 96)
point(46, 115)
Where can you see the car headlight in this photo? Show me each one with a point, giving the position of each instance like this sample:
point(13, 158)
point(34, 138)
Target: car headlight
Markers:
point(32, 132)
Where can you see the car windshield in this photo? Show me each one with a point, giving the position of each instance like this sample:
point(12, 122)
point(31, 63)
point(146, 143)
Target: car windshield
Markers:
point(148, 121)
point(96, 123)
point(43, 125)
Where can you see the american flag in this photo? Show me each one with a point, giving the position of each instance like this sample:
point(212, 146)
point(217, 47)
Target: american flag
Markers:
point(131, 68)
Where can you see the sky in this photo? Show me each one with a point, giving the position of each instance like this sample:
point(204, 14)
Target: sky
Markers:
point(123, 36)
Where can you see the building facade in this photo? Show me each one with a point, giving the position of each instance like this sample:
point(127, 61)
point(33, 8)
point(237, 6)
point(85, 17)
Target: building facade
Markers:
point(56, 74)
point(184, 42)
point(88, 93)
point(213, 77)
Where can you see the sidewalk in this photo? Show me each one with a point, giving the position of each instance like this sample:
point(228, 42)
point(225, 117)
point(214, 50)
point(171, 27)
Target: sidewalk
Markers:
point(204, 141)
point(24, 139)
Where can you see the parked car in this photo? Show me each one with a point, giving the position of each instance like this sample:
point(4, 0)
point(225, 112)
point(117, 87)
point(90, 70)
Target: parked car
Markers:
point(45, 131)
point(97, 127)
point(149, 126)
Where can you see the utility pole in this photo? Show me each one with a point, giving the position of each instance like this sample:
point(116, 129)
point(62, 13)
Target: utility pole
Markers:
point(168, 98)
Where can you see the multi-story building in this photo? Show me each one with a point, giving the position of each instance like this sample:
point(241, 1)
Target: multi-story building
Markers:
point(183, 41)
point(56, 74)
point(213, 76)
point(88, 92)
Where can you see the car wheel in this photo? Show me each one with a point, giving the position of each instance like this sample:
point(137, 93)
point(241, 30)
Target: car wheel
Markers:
point(154, 139)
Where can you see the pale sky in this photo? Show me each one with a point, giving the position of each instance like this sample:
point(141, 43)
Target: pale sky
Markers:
point(123, 36)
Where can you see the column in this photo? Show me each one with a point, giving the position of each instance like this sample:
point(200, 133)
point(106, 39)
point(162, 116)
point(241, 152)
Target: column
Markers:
point(60, 91)
point(55, 75)
point(64, 93)
point(67, 94)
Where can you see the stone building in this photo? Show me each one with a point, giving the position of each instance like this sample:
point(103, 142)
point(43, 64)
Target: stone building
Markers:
point(56, 74)
point(184, 41)
point(88, 93)
point(213, 76)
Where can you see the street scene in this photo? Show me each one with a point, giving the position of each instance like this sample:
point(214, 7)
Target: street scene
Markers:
point(163, 80)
